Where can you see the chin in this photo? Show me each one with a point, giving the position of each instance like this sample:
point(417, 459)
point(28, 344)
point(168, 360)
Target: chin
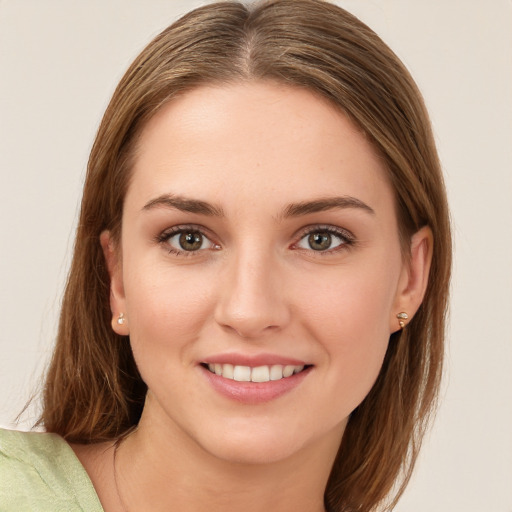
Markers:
point(269, 444)
point(258, 450)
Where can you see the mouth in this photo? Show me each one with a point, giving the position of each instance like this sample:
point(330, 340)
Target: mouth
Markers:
point(264, 373)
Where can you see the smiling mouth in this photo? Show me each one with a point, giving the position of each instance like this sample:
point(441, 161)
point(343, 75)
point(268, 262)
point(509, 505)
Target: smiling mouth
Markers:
point(254, 374)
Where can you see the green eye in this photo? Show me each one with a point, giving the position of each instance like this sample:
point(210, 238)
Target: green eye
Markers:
point(186, 240)
point(324, 240)
point(320, 241)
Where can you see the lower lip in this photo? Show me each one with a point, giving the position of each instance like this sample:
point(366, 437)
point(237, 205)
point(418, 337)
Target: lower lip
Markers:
point(252, 393)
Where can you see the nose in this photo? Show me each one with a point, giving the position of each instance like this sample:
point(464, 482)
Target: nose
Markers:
point(252, 299)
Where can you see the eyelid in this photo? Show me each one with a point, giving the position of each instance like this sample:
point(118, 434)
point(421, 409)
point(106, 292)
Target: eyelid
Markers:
point(344, 234)
point(168, 233)
point(348, 238)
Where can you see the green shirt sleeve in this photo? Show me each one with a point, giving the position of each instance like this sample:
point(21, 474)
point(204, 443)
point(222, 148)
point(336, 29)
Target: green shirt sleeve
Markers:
point(39, 472)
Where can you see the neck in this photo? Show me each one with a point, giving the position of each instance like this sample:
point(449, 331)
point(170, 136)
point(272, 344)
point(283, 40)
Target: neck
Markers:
point(162, 469)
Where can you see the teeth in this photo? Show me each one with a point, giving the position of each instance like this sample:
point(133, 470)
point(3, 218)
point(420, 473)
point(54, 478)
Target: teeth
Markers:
point(242, 373)
point(260, 374)
point(257, 374)
point(276, 372)
point(228, 371)
point(288, 371)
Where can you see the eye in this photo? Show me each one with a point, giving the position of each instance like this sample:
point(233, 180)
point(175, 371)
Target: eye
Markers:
point(192, 241)
point(324, 240)
point(182, 240)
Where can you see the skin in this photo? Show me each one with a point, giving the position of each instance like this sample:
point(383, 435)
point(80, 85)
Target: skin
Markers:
point(256, 286)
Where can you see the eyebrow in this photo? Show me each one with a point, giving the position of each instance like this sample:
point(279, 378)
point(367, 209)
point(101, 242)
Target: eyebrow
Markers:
point(292, 210)
point(324, 204)
point(185, 205)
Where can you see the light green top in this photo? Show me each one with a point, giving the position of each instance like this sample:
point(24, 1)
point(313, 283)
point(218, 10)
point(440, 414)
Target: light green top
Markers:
point(39, 472)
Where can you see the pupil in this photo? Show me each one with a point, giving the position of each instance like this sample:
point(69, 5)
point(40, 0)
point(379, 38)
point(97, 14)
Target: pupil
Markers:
point(319, 241)
point(191, 241)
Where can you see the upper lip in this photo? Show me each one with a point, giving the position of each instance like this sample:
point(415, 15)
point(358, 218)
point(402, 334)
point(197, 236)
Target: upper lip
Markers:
point(253, 360)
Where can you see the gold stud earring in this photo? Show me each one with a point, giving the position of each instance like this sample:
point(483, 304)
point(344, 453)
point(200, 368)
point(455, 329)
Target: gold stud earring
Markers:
point(120, 319)
point(401, 317)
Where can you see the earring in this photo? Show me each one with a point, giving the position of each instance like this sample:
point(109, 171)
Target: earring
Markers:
point(120, 319)
point(401, 317)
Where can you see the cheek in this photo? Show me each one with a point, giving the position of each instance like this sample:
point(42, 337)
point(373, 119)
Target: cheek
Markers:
point(349, 318)
point(166, 306)
point(354, 301)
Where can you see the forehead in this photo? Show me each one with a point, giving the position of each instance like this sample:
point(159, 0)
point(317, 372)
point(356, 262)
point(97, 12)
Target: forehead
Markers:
point(259, 139)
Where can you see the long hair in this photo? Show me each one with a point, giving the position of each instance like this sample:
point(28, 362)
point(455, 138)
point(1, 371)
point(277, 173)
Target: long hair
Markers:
point(93, 391)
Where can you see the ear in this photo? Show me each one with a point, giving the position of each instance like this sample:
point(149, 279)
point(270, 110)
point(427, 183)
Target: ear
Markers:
point(112, 255)
point(414, 277)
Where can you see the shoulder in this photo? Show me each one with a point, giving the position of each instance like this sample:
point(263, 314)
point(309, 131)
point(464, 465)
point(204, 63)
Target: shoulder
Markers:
point(40, 472)
point(27, 446)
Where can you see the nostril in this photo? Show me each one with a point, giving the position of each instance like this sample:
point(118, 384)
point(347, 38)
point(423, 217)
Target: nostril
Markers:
point(251, 304)
point(248, 330)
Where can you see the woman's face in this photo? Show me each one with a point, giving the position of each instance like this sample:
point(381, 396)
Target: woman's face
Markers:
point(259, 239)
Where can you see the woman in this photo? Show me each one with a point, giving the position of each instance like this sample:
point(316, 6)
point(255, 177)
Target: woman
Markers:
point(254, 315)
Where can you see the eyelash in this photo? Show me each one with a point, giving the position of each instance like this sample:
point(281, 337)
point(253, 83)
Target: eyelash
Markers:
point(166, 235)
point(347, 239)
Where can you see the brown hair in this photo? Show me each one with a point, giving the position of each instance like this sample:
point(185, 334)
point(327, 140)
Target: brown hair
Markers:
point(93, 390)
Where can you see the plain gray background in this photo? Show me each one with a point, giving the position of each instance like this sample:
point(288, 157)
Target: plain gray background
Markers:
point(59, 63)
